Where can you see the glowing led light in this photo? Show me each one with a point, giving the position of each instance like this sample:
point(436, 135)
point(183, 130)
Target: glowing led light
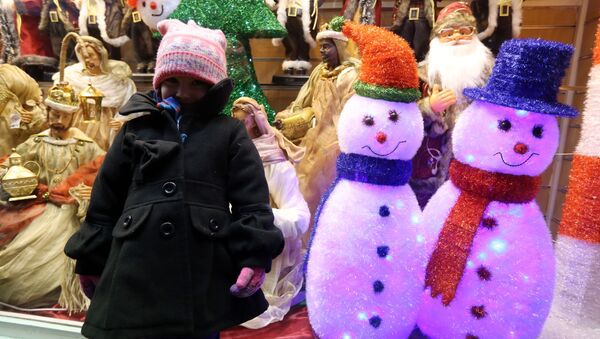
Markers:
point(347, 336)
point(414, 219)
point(470, 158)
point(516, 211)
point(362, 316)
point(470, 264)
point(525, 277)
point(399, 204)
point(522, 113)
point(498, 245)
point(482, 255)
point(388, 258)
point(420, 238)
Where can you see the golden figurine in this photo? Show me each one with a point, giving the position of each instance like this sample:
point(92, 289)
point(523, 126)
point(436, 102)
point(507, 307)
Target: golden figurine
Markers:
point(19, 181)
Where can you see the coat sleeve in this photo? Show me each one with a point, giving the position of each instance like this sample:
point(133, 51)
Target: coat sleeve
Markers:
point(254, 240)
point(90, 245)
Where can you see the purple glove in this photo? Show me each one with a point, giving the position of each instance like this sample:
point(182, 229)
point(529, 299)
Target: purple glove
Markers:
point(248, 282)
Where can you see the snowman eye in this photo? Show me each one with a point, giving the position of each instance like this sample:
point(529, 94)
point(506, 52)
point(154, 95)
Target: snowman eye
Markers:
point(143, 3)
point(504, 125)
point(368, 120)
point(393, 116)
point(538, 131)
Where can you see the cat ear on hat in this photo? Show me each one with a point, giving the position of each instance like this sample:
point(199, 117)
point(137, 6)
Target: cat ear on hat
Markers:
point(167, 24)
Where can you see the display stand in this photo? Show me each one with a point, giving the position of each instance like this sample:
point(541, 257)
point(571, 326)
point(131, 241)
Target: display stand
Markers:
point(18, 325)
point(289, 80)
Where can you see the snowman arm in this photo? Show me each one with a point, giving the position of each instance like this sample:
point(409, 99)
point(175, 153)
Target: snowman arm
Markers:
point(292, 215)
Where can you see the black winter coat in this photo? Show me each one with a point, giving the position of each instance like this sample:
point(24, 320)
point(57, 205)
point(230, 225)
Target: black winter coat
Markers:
point(159, 229)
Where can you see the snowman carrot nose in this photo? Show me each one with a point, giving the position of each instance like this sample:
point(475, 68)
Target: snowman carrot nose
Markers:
point(153, 5)
point(521, 148)
point(381, 137)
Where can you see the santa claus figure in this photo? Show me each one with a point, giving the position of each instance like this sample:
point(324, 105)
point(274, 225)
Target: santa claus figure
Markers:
point(102, 19)
point(412, 20)
point(456, 60)
point(299, 17)
point(497, 21)
point(367, 12)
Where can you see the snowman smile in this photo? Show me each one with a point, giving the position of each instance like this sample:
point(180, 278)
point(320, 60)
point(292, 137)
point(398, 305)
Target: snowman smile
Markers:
point(162, 9)
point(517, 165)
point(386, 154)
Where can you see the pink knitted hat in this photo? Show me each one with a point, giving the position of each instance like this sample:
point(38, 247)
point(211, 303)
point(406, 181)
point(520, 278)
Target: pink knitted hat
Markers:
point(190, 50)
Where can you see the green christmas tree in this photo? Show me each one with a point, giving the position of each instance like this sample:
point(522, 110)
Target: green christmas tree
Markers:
point(240, 20)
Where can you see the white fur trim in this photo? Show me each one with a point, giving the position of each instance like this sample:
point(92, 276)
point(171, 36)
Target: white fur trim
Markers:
point(60, 107)
point(492, 20)
point(303, 64)
point(331, 35)
point(282, 12)
point(306, 24)
point(287, 64)
point(82, 20)
point(517, 17)
point(271, 3)
point(7, 5)
point(101, 19)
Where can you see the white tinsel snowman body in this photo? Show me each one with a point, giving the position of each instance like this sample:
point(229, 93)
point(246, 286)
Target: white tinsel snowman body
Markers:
point(366, 260)
point(507, 283)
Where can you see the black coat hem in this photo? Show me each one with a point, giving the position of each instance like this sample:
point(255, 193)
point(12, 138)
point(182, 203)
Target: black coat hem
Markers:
point(93, 332)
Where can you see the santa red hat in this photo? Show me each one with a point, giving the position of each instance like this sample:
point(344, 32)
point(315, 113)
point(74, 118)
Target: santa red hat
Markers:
point(457, 13)
point(389, 68)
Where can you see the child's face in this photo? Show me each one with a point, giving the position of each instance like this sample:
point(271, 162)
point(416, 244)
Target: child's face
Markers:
point(186, 90)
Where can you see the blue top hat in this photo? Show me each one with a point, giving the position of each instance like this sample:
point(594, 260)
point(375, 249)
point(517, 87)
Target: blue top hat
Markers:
point(526, 76)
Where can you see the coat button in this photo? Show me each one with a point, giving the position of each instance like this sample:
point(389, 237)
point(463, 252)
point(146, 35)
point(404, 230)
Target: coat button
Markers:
point(169, 188)
point(214, 226)
point(167, 229)
point(127, 221)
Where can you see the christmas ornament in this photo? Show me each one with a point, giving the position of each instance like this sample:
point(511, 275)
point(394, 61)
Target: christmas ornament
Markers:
point(577, 295)
point(366, 259)
point(491, 269)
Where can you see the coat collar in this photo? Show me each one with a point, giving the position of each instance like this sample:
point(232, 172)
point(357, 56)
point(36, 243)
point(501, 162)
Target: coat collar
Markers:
point(212, 103)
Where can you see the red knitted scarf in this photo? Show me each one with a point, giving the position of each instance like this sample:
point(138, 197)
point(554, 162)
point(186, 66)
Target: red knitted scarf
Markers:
point(478, 189)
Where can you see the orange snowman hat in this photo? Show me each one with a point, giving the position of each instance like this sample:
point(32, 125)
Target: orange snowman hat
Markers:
point(389, 68)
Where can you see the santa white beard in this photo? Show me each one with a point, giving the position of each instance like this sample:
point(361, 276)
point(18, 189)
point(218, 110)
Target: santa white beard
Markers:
point(459, 66)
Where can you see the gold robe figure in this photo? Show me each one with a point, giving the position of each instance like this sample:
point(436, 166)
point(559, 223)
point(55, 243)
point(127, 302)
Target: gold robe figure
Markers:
point(21, 109)
point(34, 271)
point(316, 111)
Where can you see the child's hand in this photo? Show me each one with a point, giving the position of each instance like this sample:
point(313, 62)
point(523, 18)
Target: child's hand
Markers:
point(88, 284)
point(248, 282)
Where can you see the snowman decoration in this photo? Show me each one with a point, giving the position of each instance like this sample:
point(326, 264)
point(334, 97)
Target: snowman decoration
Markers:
point(153, 11)
point(491, 269)
point(366, 258)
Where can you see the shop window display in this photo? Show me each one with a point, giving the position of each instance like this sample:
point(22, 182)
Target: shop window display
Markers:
point(117, 33)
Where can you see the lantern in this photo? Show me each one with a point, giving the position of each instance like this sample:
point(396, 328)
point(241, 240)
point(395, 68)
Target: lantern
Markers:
point(90, 100)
